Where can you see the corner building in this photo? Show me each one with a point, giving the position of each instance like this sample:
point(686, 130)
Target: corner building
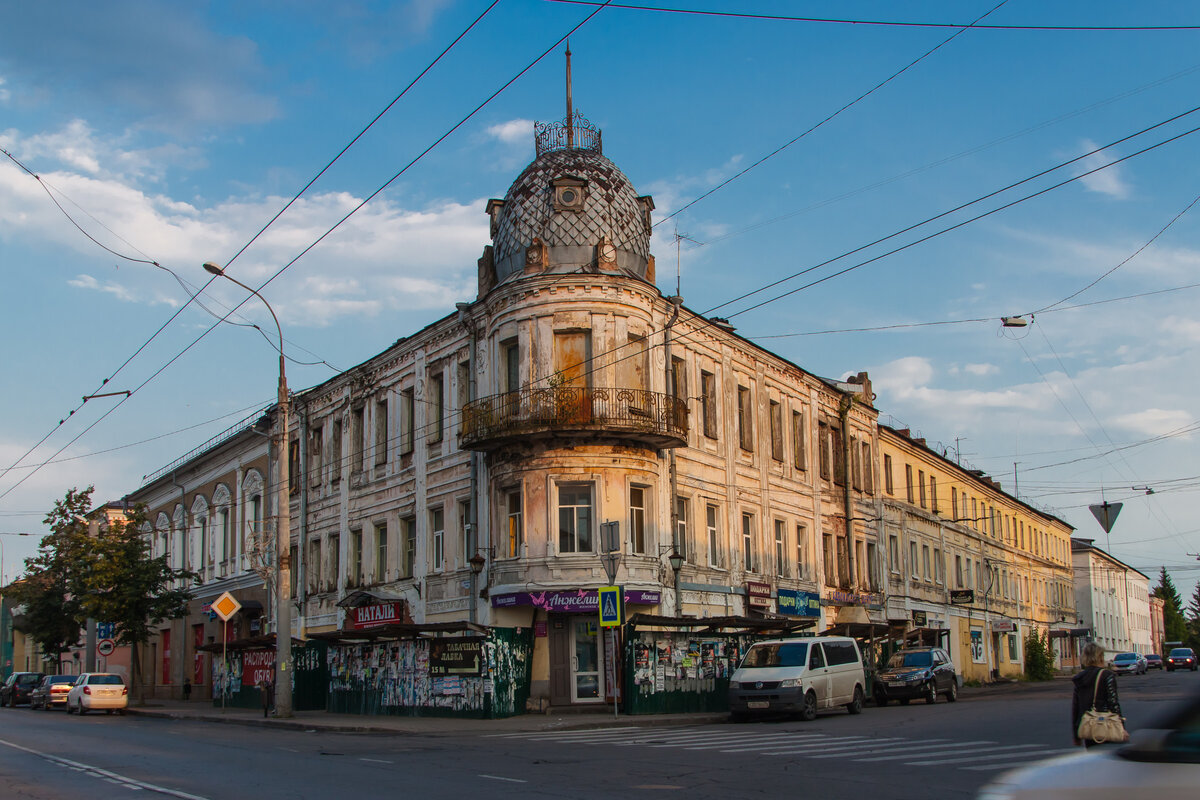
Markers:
point(464, 474)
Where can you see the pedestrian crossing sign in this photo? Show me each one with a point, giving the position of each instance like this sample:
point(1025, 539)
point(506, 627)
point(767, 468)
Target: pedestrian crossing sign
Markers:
point(612, 607)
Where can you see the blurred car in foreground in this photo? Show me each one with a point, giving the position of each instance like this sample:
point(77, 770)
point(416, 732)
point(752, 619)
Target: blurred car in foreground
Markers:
point(1128, 664)
point(16, 689)
point(1159, 761)
point(1154, 661)
point(52, 691)
point(1181, 658)
point(95, 691)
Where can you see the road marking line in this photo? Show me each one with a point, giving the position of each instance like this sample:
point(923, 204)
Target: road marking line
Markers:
point(834, 741)
point(499, 778)
point(377, 760)
point(104, 774)
point(1007, 764)
point(951, 746)
point(559, 734)
point(981, 757)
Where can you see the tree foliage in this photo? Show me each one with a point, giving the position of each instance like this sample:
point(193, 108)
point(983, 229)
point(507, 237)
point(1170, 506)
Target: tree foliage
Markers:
point(103, 572)
point(1039, 656)
point(1175, 627)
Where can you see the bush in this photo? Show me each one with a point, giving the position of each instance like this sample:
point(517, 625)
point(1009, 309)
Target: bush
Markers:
point(1039, 657)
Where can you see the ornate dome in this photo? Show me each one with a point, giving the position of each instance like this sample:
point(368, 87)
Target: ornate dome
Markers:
point(571, 210)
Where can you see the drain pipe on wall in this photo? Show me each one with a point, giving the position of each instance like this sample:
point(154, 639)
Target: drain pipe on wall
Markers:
point(844, 406)
point(302, 544)
point(473, 539)
point(672, 472)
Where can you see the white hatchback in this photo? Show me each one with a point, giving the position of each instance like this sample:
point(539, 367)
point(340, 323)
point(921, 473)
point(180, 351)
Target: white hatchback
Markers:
point(95, 691)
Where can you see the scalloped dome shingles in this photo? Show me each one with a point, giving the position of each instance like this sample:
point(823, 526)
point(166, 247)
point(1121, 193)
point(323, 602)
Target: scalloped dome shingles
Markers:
point(611, 209)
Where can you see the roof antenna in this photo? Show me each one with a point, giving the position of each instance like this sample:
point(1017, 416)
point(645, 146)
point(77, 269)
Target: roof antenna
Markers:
point(681, 237)
point(570, 113)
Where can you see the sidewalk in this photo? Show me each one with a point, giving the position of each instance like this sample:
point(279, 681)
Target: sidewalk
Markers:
point(526, 723)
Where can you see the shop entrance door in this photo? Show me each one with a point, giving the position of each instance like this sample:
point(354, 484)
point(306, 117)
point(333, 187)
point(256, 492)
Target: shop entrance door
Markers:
point(587, 673)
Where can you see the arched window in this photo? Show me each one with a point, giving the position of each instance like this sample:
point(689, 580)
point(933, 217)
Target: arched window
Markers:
point(252, 505)
point(201, 537)
point(223, 530)
point(179, 539)
point(162, 536)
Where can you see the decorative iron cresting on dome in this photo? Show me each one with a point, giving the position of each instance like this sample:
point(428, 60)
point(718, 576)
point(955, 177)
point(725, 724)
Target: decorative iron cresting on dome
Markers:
point(574, 133)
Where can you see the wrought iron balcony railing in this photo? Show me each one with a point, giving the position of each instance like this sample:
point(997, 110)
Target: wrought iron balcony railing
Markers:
point(649, 417)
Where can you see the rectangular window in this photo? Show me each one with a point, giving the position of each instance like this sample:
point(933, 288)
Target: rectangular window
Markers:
point(968, 575)
point(953, 501)
point(356, 558)
point(829, 560)
point(514, 528)
point(335, 562)
point(888, 485)
point(894, 553)
point(510, 355)
point(837, 445)
point(748, 542)
point(927, 572)
point(958, 572)
point(801, 543)
point(868, 469)
point(314, 566)
point(914, 565)
point(681, 526)
point(408, 529)
point(776, 431)
point(381, 432)
point(381, 552)
point(575, 518)
point(908, 480)
point(226, 536)
point(335, 452)
point(637, 519)
point(745, 418)
point(933, 501)
point(294, 466)
point(921, 486)
point(436, 407)
point(823, 449)
point(799, 456)
point(714, 536)
point(938, 568)
point(463, 379)
point(356, 439)
point(316, 456)
point(465, 543)
point(437, 535)
point(708, 403)
point(855, 465)
point(872, 566)
point(678, 378)
point(781, 564)
point(408, 420)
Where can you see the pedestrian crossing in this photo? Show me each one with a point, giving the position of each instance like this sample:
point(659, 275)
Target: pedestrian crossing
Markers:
point(979, 755)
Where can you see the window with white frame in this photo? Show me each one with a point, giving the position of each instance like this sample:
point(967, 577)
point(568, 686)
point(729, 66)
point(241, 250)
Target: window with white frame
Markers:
point(780, 547)
point(801, 545)
point(408, 533)
point(437, 537)
point(681, 526)
point(514, 528)
point(381, 552)
point(712, 527)
point(575, 518)
point(748, 542)
point(637, 519)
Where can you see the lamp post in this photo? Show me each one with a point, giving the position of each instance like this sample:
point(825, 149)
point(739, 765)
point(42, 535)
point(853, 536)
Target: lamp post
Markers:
point(676, 562)
point(2, 583)
point(283, 527)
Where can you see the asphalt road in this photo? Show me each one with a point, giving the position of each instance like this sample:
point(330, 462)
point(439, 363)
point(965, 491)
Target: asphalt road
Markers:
point(893, 753)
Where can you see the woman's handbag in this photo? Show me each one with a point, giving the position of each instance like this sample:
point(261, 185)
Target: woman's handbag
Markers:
point(1101, 726)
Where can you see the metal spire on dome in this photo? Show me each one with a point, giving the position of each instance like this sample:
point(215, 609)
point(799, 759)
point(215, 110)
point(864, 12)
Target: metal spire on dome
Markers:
point(548, 136)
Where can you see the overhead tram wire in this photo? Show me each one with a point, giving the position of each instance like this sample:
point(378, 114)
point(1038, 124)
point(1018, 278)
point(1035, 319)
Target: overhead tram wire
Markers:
point(881, 23)
point(262, 230)
point(321, 238)
point(830, 117)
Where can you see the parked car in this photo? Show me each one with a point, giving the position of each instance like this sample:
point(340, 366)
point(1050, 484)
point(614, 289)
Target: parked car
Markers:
point(917, 672)
point(52, 691)
point(798, 676)
point(1181, 658)
point(93, 691)
point(1128, 664)
point(1154, 661)
point(1162, 760)
point(17, 688)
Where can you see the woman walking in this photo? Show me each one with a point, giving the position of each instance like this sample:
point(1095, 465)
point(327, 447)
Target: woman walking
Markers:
point(1095, 687)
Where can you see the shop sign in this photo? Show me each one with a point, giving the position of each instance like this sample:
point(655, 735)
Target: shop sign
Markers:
point(257, 666)
point(962, 597)
point(578, 601)
point(455, 657)
point(1003, 626)
point(758, 595)
point(798, 604)
point(840, 597)
point(920, 619)
point(377, 614)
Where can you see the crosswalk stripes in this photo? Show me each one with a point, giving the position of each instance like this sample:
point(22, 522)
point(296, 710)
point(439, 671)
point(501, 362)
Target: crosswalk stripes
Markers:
point(976, 755)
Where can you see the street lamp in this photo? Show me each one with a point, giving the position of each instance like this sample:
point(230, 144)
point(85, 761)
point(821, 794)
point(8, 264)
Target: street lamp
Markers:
point(2, 583)
point(676, 562)
point(283, 527)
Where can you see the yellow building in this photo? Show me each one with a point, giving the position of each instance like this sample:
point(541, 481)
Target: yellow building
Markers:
point(968, 561)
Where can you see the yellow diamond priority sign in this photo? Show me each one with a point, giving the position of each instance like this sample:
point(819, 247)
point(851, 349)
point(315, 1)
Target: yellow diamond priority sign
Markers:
point(226, 606)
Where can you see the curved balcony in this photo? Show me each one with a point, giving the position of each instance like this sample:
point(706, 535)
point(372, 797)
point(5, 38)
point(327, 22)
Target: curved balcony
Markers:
point(650, 418)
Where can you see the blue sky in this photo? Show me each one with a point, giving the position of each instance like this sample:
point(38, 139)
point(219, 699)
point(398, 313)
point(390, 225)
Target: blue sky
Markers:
point(173, 132)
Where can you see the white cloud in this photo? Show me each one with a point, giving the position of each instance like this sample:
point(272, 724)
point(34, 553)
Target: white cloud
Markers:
point(1109, 181)
point(4, 93)
point(515, 131)
point(981, 369)
point(1154, 421)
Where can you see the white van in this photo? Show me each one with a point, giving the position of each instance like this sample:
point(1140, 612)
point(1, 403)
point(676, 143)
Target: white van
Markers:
point(799, 676)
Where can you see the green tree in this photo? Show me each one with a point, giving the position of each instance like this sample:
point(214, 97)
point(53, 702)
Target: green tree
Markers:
point(1193, 618)
point(49, 593)
point(1175, 627)
point(126, 586)
point(1039, 657)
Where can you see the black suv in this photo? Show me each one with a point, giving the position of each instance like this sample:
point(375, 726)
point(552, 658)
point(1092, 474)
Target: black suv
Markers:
point(917, 672)
point(18, 686)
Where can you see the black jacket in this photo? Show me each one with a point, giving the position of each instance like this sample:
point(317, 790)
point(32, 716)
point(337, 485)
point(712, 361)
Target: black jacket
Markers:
point(1085, 684)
